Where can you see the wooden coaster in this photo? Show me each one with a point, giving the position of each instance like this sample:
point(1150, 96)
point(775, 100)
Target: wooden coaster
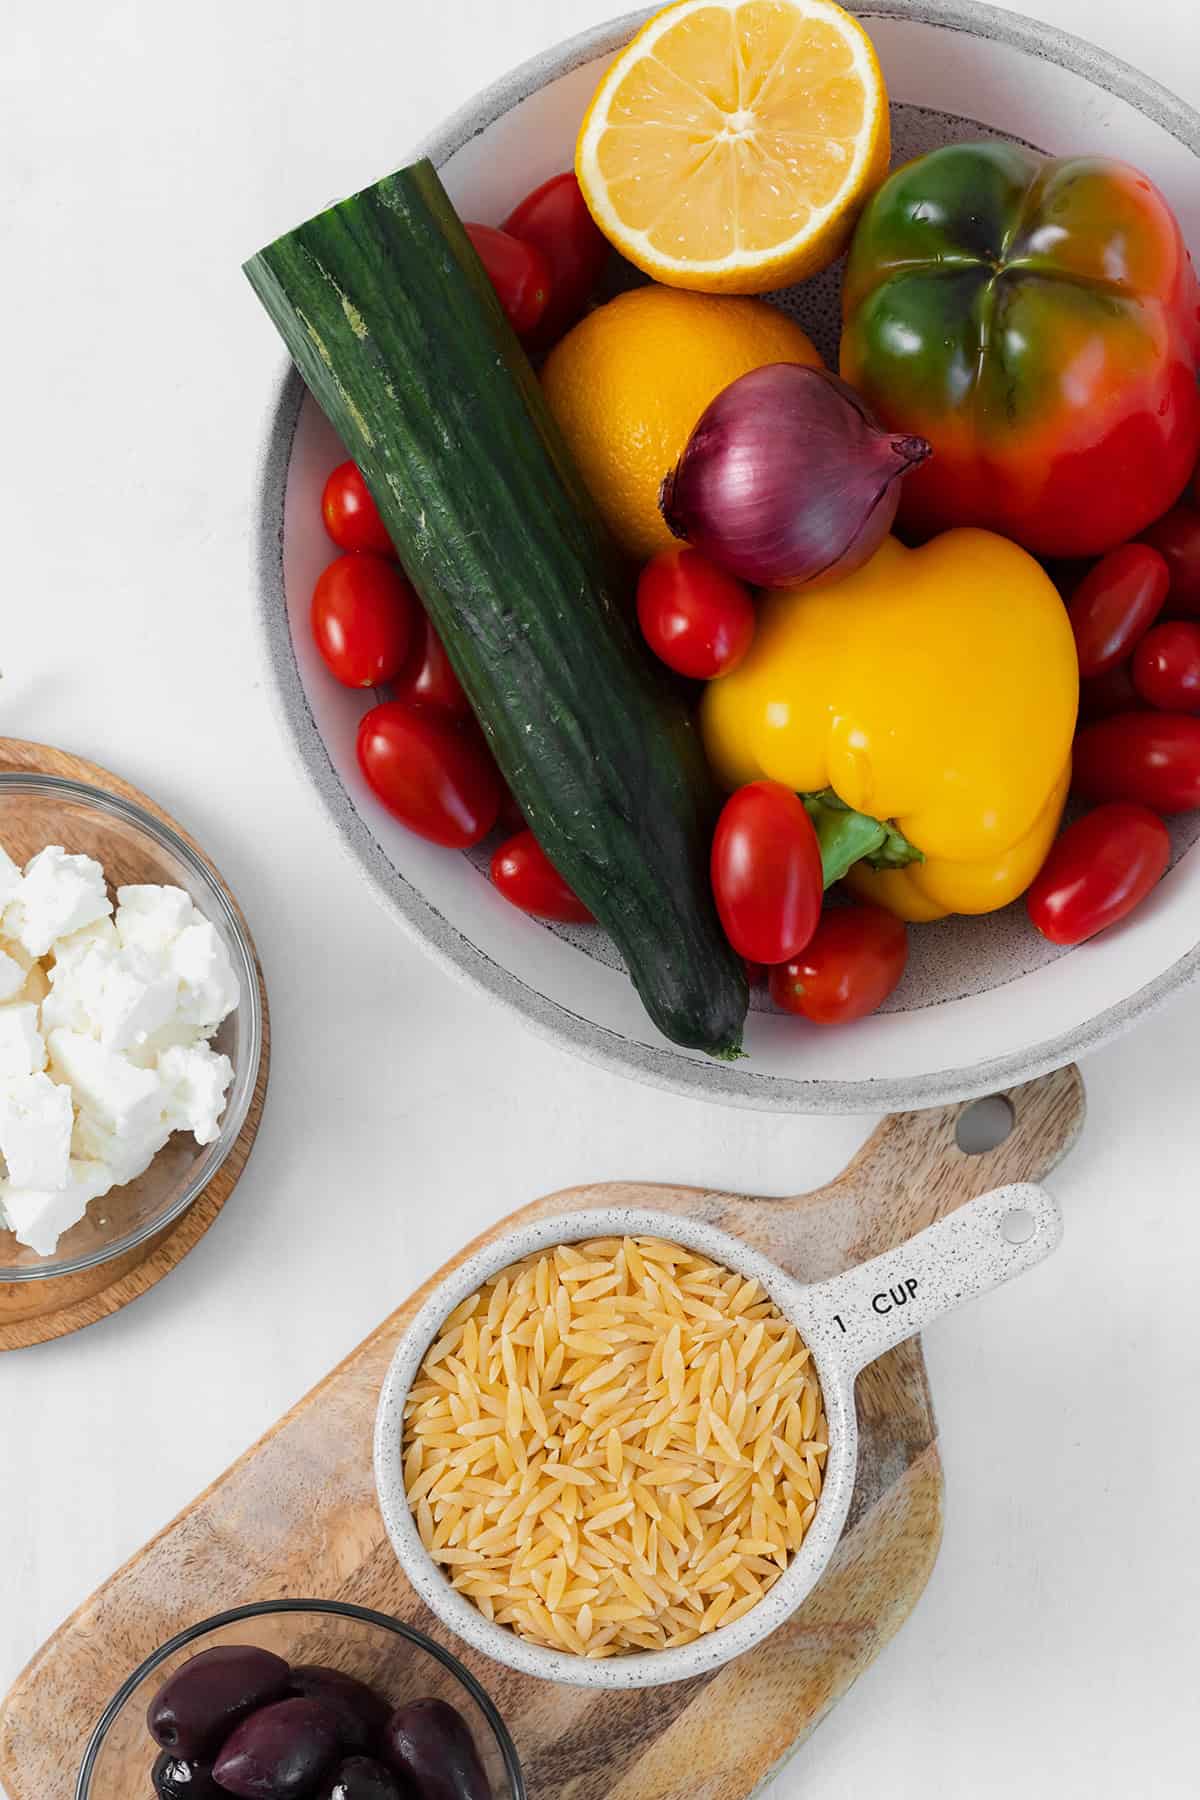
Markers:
point(33, 1312)
point(297, 1516)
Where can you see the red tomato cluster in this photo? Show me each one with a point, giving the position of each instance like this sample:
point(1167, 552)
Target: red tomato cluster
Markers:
point(829, 966)
point(420, 749)
point(545, 262)
point(1136, 619)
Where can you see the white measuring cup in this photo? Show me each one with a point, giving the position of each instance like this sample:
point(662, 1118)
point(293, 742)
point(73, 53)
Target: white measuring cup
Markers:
point(846, 1322)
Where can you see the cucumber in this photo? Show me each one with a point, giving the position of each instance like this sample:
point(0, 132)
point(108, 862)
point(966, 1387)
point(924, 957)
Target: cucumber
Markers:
point(394, 325)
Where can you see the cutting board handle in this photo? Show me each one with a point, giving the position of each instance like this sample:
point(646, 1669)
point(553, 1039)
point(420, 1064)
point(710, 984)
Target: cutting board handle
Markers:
point(913, 1152)
point(881, 1302)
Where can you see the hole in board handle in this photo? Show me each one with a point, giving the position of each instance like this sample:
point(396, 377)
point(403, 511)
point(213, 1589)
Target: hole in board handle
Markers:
point(984, 1125)
point(1018, 1226)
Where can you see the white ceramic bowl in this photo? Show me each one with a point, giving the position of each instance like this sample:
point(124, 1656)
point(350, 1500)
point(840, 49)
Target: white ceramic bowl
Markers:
point(985, 1002)
point(846, 1322)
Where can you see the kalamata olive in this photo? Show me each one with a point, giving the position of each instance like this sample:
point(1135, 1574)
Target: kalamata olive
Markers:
point(429, 1743)
point(361, 1778)
point(177, 1779)
point(279, 1752)
point(361, 1713)
point(196, 1709)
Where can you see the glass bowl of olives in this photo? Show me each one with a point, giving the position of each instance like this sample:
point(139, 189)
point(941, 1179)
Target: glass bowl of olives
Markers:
point(301, 1700)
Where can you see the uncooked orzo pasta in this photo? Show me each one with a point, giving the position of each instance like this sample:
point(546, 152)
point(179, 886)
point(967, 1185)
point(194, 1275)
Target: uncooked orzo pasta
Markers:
point(615, 1446)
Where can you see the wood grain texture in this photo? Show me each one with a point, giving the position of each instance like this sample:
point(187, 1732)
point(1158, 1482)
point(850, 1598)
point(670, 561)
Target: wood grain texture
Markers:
point(33, 1312)
point(297, 1515)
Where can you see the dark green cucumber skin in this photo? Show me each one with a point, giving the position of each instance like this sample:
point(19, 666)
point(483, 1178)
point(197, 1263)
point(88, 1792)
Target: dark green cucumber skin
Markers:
point(397, 331)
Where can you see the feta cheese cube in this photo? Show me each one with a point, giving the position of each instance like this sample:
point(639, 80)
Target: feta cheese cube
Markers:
point(119, 996)
point(128, 1101)
point(100, 934)
point(175, 1032)
point(10, 878)
point(13, 976)
point(36, 1119)
point(150, 918)
point(39, 1216)
point(196, 1080)
point(138, 997)
point(57, 895)
point(124, 1157)
point(22, 1051)
point(208, 988)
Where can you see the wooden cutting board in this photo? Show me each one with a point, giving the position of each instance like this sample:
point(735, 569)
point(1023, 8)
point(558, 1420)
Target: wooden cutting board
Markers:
point(297, 1515)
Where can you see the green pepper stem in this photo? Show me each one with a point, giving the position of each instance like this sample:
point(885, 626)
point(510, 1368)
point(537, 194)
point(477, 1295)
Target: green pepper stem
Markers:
point(847, 837)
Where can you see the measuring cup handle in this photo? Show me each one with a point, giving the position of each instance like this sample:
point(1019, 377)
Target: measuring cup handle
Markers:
point(877, 1305)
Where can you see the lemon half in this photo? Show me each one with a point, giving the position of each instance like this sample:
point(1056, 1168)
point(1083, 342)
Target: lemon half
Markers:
point(731, 146)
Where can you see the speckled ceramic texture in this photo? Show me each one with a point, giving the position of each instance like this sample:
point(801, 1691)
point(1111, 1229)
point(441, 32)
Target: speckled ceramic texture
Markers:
point(952, 965)
point(846, 1322)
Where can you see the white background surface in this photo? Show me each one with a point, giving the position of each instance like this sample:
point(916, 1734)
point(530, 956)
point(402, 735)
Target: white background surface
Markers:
point(145, 149)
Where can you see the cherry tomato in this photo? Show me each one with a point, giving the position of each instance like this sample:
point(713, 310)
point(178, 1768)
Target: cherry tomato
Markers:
point(766, 872)
point(436, 779)
point(1112, 692)
point(519, 273)
point(524, 874)
point(855, 960)
point(1150, 758)
point(695, 618)
point(1115, 604)
point(1176, 536)
point(1166, 666)
point(1100, 869)
point(351, 516)
point(363, 615)
point(427, 678)
point(555, 218)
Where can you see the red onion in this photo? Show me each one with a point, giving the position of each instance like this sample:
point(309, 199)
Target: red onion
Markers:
point(786, 477)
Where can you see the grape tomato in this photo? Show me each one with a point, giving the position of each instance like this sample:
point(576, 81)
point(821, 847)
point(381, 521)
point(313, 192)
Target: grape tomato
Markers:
point(519, 273)
point(555, 219)
point(1098, 871)
point(766, 872)
point(1166, 666)
point(1176, 536)
point(526, 877)
point(434, 776)
point(363, 615)
point(1115, 604)
point(1149, 758)
point(855, 959)
point(427, 677)
point(351, 515)
point(696, 618)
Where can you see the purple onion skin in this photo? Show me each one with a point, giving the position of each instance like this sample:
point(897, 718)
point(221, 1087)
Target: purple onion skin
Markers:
point(787, 478)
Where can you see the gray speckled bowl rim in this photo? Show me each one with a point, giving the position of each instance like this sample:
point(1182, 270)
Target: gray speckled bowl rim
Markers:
point(660, 1065)
point(836, 1371)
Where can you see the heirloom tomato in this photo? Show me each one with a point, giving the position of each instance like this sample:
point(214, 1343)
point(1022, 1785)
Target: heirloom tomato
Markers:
point(1036, 320)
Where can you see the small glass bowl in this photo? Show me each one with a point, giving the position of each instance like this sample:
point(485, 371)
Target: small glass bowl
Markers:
point(400, 1662)
point(133, 846)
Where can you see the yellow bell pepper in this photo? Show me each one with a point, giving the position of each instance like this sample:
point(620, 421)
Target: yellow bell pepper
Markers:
point(934, 689)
